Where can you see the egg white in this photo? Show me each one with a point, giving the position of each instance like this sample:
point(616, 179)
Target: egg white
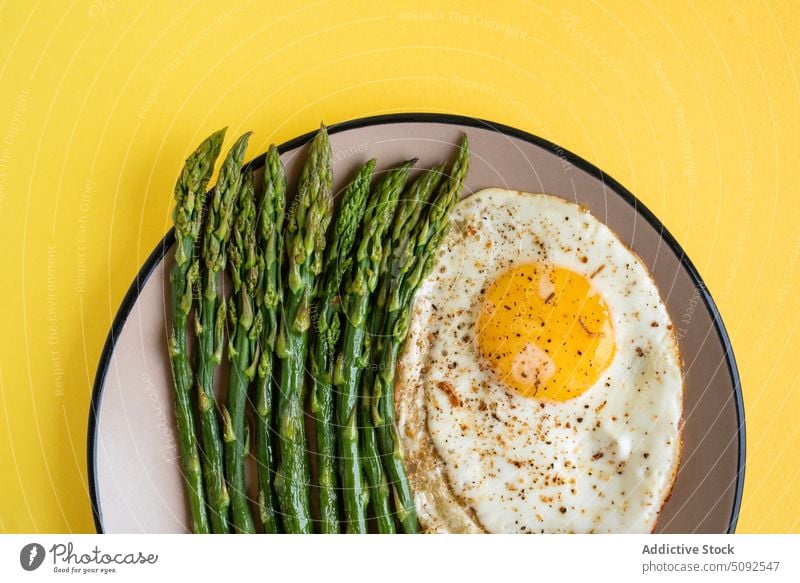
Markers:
point(483, 458)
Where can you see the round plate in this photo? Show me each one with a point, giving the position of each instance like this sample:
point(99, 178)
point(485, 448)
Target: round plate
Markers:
point(135, 480)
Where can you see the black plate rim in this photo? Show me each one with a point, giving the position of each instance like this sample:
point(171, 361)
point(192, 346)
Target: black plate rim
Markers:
point(163, 246)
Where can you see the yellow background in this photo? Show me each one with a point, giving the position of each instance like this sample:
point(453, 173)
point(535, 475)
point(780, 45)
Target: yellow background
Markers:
point(693, 106)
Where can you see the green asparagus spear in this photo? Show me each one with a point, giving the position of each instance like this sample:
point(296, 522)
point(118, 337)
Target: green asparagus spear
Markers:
point(395, 249)
point(184, 274)
point(397, 253)
point(304, 239)
point(370, 455)
point(408, 270)
point(270, 236)
point(219, 213)
point(337, 263)
point(360, 284)
point(242, 350)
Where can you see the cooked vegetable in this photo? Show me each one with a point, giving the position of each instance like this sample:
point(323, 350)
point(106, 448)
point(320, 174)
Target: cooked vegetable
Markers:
point(395, 245)
point(409, 265)
point(304, 240)
point(210, 329)
point(242, 350)
point(337, 263)
point(379, 498)
point(354, 283)
point(359, 286)
point(190, 193)
point(270, 247)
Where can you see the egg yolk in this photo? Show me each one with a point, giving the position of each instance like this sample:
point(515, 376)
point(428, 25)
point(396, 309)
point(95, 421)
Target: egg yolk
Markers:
point(545, 332)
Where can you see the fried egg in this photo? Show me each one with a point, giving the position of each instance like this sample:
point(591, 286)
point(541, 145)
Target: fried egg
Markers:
point(540, 388)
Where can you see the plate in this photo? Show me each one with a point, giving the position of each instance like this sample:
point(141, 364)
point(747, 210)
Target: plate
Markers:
point(134, 475)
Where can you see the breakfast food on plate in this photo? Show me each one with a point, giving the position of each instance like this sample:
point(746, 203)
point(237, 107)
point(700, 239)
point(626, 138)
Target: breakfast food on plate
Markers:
point(304, 242)
point(351, 210)
point(242, 352)
point(540, 389)
point(420, 225)
point(499, 364)
point(218, 222)
point(297, 307)
point(270, 245)
point(356, 295)
point(188, 216)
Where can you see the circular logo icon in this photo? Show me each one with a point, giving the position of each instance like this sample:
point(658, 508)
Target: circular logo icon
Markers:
point(31, 556)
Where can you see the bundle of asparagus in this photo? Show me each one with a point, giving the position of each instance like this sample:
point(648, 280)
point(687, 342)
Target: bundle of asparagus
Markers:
point(210, 328)
point(334, 301)
point(337, 264)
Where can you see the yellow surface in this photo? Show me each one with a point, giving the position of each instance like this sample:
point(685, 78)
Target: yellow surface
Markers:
point(694, 107)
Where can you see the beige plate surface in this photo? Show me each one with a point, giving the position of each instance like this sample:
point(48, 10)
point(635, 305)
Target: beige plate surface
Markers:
point(135, 480)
